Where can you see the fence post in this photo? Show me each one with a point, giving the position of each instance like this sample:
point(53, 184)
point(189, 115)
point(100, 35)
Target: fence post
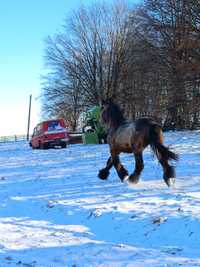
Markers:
point(29, 117)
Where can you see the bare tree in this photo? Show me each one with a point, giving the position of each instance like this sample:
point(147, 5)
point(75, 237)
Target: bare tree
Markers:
point(172, 28)
point(86, 58)
point(146, 58)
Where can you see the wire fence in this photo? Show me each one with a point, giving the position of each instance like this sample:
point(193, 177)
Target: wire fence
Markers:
point(75, 137)
point(13, 138)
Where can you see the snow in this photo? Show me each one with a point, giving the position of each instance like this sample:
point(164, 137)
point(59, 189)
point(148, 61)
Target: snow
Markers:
point(55, 212)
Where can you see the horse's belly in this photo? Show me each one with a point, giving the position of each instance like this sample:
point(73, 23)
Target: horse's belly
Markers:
point(124, 137)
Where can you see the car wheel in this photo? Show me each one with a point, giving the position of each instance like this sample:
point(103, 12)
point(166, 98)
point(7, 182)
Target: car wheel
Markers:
point(44, 146)
point(39, 145)
point(64, 145)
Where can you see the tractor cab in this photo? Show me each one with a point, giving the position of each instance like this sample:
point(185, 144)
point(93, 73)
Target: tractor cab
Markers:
point(93, 130)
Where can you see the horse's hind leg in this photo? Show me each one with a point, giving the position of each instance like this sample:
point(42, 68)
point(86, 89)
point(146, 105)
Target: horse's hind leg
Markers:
point(103, 173)
point(168, 172)
point(121, 171)
point(139, 166)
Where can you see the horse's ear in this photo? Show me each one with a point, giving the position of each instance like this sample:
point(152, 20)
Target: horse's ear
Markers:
point(102, 103)
point(105, 102)
point(109, 100)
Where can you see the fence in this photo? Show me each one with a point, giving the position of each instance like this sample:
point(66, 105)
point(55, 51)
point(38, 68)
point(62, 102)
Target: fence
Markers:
point(75, 137)
point(12, 138)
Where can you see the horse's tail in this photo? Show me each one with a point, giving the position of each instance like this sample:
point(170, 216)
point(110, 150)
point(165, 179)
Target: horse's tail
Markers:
point(156, 143)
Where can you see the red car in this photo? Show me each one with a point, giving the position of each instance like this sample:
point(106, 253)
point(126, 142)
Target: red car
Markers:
point(50, 133)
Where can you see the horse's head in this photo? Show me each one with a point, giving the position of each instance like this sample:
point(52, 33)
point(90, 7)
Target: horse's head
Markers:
point(111, 114)
point(105, 111)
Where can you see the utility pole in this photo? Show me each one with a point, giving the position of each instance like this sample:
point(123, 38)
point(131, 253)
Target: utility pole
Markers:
point(29, 117)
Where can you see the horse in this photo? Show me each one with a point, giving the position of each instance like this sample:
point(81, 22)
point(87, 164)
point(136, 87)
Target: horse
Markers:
point(134, 137)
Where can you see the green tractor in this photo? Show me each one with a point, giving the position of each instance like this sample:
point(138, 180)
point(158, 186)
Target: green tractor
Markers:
point(93, 131)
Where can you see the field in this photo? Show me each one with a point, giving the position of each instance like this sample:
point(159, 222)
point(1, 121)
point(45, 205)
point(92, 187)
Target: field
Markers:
point(55, 212)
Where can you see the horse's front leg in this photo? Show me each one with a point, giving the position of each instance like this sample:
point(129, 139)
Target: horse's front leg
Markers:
point(103, 173)
point(139, 166)
point(121, 171)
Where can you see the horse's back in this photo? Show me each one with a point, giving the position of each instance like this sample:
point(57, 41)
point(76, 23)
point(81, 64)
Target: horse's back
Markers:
point(145, 122)
point(132, 135)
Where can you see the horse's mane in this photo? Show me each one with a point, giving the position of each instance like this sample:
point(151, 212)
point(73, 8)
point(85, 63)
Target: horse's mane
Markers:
point(116, 114)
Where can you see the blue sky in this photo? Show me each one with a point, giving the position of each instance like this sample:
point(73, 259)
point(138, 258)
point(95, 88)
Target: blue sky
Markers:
point(24, 25)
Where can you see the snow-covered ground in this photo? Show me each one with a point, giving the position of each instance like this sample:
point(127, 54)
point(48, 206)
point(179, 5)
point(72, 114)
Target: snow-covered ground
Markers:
point(55, 212)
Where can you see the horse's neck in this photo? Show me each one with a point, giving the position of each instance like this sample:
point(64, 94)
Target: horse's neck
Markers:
point(112, 126)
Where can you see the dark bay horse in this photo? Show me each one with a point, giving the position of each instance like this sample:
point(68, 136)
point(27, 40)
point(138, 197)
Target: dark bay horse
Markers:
point(134, 137)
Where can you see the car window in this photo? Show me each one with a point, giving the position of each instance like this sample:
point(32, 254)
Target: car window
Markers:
point(54, 125)
point(37, 130)
point(34, 131)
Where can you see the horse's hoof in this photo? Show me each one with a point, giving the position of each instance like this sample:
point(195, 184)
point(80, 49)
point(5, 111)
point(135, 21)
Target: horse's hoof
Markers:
point(170, 182)
point(125, 178)
point(103, 174)
point(133, 179)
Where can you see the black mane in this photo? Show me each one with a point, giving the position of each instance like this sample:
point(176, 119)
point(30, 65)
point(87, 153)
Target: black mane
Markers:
point(115, 114)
